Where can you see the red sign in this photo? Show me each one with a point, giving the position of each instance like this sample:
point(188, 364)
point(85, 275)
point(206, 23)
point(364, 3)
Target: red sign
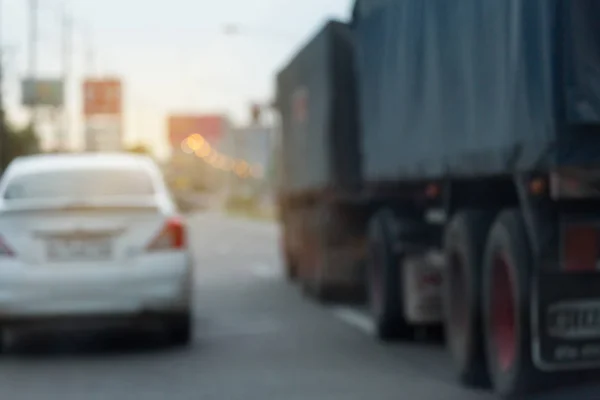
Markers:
point(211, 127)
point(102, 97)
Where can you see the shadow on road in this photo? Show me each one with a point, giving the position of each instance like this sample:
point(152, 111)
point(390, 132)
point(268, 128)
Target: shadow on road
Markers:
point(106, 342)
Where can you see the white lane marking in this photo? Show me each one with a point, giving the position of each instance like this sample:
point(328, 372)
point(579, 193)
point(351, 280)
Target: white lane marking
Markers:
point(355, 318)
point(265, 271)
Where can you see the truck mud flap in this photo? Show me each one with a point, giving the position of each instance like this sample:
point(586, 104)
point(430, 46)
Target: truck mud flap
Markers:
point(566, 321)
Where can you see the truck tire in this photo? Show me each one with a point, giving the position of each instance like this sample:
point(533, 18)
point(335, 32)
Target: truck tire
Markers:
point(506, 307)
point(321, 289)
point(464, 244)
point(324, 282)
point(289, 264)
point(291, 271)
point(384, 280)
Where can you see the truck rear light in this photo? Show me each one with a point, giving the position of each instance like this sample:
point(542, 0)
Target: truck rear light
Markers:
point(5, 251)
point(432, 191)
point(580, 248)
point(171, 237)
point(537, 186)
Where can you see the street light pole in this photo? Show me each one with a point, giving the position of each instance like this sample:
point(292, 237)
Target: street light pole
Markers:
point(4, 140)
point(90, 55)
point(33, 37)
point(63, 132)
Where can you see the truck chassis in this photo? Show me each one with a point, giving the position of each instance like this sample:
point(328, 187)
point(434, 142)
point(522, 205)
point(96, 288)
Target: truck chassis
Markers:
point(508, 265)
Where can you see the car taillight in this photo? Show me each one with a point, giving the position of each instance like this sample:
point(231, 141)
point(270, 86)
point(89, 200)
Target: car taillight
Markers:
point(580, 248)
point(171, 237)
point(5, 251)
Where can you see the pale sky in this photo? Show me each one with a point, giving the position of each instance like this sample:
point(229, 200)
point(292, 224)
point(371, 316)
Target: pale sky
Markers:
point(171, 54)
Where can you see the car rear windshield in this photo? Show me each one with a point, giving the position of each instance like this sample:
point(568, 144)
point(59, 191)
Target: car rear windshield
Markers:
point(80, 183)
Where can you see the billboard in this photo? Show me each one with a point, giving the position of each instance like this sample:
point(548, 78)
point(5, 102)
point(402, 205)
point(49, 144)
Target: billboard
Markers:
point(211, 127)
point(42, 92)
point(102, 97)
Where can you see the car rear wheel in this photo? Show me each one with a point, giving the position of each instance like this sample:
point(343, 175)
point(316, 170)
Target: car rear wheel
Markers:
point(180, 328)
point(3, 340)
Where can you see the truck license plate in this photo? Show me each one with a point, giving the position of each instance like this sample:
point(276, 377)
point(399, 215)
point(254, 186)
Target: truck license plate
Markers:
point(572, 332)
point(574, 320)
point(568, 321)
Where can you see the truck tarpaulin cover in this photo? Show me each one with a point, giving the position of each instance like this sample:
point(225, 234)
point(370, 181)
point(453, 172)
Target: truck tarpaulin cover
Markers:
point(477, 87)
point(317, 102)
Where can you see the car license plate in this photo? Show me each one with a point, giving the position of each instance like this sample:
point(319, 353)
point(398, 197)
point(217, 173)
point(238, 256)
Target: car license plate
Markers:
point(79, 249)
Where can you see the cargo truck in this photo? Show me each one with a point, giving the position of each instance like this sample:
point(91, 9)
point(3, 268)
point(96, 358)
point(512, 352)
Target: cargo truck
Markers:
point(320, 182)
point(444, 157)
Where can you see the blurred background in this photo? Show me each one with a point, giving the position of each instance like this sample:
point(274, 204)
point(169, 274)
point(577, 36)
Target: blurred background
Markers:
point(190, 83)
point(432, 165)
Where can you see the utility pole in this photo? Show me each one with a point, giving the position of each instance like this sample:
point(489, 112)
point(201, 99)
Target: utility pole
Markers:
point(88, 128)
point(90, 56)
point(33, 38)
point(63, 131)
point(4, 140)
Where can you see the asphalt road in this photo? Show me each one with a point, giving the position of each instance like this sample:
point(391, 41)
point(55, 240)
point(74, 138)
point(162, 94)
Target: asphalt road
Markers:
point(256, 337)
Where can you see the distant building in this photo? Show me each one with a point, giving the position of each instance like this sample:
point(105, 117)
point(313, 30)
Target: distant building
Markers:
point(255, 145)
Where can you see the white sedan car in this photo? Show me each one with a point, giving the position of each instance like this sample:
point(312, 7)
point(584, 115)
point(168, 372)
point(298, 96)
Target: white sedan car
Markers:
point(92, 237)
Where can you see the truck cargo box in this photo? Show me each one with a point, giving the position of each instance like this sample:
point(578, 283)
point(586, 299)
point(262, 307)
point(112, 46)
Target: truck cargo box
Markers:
point(474, 88)
point(316, 99)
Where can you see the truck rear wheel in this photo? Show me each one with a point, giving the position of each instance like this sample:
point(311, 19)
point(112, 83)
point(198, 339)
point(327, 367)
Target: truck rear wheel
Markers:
point(320, 286)
point(464, 245)
point(289, 260)
point(291, 270)
point(507, 285)
point(317, 281)
point(333, 260)
point(320, 289)
point(384, 280)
